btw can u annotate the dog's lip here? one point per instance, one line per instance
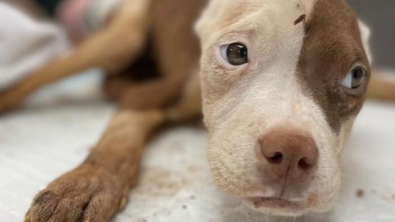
(272, 202)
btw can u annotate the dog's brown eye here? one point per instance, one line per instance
(355, 78)
(236, 54)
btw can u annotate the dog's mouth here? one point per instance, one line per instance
(277, 206)
(272, 202)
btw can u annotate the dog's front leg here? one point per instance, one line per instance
(99, 187)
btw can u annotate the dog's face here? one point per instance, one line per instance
(282, 81)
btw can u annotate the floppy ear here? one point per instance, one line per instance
(210, 18)
(204, 20)
(365, 36)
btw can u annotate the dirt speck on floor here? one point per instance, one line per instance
(360, 193)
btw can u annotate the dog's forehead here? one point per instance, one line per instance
(237, 15)
(261, 12)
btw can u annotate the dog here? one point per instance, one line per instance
(280, 83)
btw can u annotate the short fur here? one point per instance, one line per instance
(299, 53)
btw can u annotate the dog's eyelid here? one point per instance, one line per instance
(233, 37)
(358, 62)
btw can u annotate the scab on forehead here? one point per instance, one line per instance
(301, 18)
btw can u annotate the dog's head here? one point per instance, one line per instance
(283, 81)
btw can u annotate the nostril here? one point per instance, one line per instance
(276, 158)
(303, 164)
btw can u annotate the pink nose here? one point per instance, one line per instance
(288, 154)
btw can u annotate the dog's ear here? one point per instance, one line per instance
(204, 20)
(209, 18)
(365, 37)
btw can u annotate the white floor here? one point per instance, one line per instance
(39, 143)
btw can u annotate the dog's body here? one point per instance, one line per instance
(280, 94)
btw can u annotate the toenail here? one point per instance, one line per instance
(123, 203)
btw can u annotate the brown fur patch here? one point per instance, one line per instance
(332, 45)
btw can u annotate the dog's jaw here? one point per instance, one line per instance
(278, 88)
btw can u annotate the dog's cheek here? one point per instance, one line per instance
(232, 159)
(217, 80)
(344, 134)
(327, 180)
(327, 198)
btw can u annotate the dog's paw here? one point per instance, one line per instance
(86, 194)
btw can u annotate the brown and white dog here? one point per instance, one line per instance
(281, 83)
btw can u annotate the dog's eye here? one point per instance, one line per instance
(355, 78)
(235, 54)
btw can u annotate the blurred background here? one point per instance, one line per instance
(379, 15)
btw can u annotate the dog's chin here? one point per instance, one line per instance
(277, 207)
